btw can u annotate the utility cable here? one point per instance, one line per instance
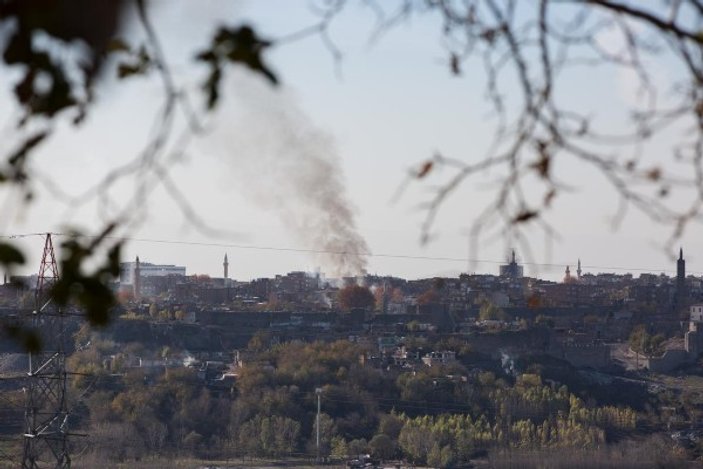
(345, 253)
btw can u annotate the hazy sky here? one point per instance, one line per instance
(388, 105)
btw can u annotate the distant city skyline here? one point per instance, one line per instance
(214, 262)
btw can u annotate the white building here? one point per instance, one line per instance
(696, 316)
(444, 357)
(148, 270)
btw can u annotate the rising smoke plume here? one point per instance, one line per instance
(290, 167)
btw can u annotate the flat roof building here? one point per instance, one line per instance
(146, 269)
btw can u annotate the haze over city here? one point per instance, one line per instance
(385, 107)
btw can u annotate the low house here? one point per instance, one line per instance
(439, 358)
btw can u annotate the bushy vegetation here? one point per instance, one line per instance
(438, 416)
(642, 342)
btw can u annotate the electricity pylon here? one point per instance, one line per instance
(46, 409)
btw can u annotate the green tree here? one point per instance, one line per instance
(259, 341)
(192, 441)
(413, 326)
(642, 342)
(268, 436)
(434, 458)
(489, 311)
(287, 434)
(328, 431)
(390, 425)
(415, 441)
(382, 447)
(357, 447)
(340, 449)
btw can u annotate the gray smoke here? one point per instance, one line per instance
(290, 167)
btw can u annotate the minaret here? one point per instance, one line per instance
(136, 281)
(578, 270)
(385, 296)
(513, 260)
(680, 281)
(680, 268)
(225, 264)
(567, 275)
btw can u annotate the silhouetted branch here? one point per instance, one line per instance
(526, 50)
(529, 52)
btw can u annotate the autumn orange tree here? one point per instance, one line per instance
(356, 296)
(427, 297)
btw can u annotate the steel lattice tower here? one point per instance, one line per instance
(46, 410)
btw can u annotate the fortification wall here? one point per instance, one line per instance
(667, 362)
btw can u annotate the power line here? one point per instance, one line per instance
(346, 253)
